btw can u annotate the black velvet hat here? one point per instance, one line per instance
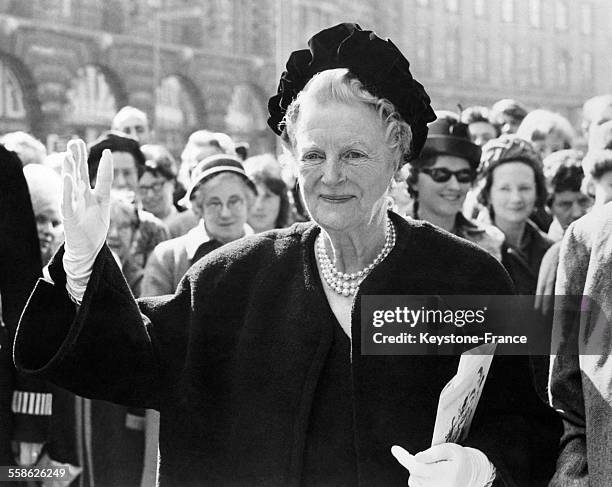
(377, 63)
(451, 137)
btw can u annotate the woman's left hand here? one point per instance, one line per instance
(446, 465)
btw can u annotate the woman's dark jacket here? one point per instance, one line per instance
(238, 361)
(523, 264)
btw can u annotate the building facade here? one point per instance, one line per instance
(66, 66)
(544, 53)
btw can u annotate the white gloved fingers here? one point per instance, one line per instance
(78, 149)
(415, 481)
(68, 166)
(409, 462)
(67, 208)
(104, 179)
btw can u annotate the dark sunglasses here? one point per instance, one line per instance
(442, 175)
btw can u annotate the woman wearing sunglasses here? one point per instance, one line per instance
(440, 180)
(513, 187)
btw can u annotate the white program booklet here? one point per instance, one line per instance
(459, 398)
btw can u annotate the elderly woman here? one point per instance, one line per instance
(221, 195)
(122, 234)
(513, 186)
(440, 179)
(256, 363)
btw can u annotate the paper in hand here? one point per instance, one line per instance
(459, 398)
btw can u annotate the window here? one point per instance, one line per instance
(587, 69)
(481, 60)
(507, 10)
(535, 13)
(479, 8)
(508, 65)
(535, 66)
(561, 15)
(11, 94)
(452, 56)
(66, 8)
(563, 69)
(587, 18)
(452, 5)
(423, 50)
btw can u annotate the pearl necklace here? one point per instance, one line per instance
(348, 284)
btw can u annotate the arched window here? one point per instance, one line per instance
(92, 102)
(177, 112)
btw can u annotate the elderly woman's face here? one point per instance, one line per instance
(49, 228)
(513, 192)
(344, 163)
(223, 203)
(121, 231)
(444, 198)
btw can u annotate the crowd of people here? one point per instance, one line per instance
(158, 393)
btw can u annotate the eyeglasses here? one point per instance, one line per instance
(155, 187)
(442, 175)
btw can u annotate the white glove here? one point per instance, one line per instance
(86, 215)
(446, 465)
(28, 453)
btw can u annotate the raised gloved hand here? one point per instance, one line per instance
(446, 465)
(86, 214)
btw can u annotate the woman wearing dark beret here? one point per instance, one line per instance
(255, 363)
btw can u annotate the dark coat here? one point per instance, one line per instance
(20, 267)
(234, 362)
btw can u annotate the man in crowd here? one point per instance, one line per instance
(566, 199)
(133, 122)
